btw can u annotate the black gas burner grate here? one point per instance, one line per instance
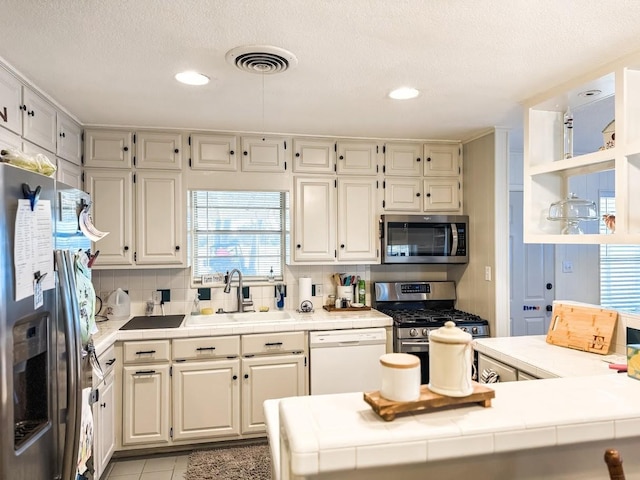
(434, 318)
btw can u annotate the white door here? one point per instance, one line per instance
(159, 150)
(357, 158)
(315, 230)
(264, 154)
(107, 148)
(214, 152)
(532, 277)
(39, 121)
(442, 195)
(357, 222)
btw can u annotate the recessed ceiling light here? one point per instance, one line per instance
(192, 78)
(404, 93)
(590, 93)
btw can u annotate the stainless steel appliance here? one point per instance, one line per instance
(40, 348)
(424, 238)
(419, 307)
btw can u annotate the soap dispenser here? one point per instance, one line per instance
(195, 309)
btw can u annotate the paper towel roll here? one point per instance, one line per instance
(304, 289)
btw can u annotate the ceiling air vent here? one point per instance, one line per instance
(264, 59)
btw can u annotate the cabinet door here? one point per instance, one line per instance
(206, 399)
(314, 155)
(69, 173)
(104, 428)
(315, 212)
(506, 372)
(264, 154)
(442, 195)
(264, 378)
(214, 152)
(69, 144)
(159, 218)
(39, 121)
(9, 139)
(112, 210)
(357, 158)
(159, 150)
(404, 194)
(357, 222)
(522, 376)
(441, 160)
(10, 102)
(145, 404)
(107, 148)
(403, 159)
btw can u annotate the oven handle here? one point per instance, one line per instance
(414, 344)
(454, 244)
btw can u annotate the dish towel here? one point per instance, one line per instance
(489, 376)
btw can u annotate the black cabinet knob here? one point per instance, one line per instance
(126, 248)
(176, 151)
(342, 245)
(549, 286)
(232, 152)
(298, 246)
(177, 247)
(418, 194)
(23, 107)
(103, 405)
(235, 377)
(428, 194)
(126, 149)
(428, 159)
(64, 135)
(245, 153)
(341, 157)
(549, 308)
(31, 113)
(297, 154)
(246, 375)
(418, 159)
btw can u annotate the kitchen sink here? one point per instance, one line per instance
(236, 318)
(154, 321)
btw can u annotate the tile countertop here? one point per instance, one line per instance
(536, 357)
(319, 319)
(331, 433)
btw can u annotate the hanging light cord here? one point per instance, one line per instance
(263, 103)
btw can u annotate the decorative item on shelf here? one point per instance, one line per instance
(610, 222)
(568, 134)
(571, 210)
(609, 135)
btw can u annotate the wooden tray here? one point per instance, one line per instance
(428, 401)
(584, 328)
(330, 308)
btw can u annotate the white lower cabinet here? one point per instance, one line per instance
(265, 378)
(104, 416)
(507, 373)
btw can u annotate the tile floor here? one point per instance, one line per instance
(166, 467)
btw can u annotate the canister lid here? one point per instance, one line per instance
(449, 334)
(399, 360)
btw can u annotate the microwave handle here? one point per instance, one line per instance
(454, 243)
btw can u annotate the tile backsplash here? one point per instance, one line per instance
(141, 285)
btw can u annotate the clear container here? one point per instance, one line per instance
(118, 304)
(572, 210)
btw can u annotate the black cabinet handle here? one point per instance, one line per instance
(246, 375)
(31, 113)
(126, 248)
(23, 107)
(549, 308)
(428, 194)
(428, 159)
(235, 377)
(176, 151)
(126, 149)
(418, 194)
(232, 152)
(177, 247)
(145, 352)
(272, 344)
(199, 349)
(245, 153)
(145, 372)
(418, 159)
(103, 405)
(111, 362)
(342, 245)
(297, 154)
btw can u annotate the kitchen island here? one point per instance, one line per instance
(549, 428)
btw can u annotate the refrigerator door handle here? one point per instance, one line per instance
(70, 309)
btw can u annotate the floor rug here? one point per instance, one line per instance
(230, 463)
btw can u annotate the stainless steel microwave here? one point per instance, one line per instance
(424, 238)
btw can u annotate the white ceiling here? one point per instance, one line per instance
(112, 62)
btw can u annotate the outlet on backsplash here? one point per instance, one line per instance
(164, 295)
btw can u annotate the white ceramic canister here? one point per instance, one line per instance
(400, 377)
(450, 361)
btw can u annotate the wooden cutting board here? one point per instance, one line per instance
(584, 328)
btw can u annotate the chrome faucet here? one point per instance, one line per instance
(227, 288)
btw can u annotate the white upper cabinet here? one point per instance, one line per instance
(108, 148)
(314, 155)
(442, 160)
(69, 144)
(39, 120)
(602, 110)
(214, 152)
(265, 154)
(158, 150)
(9, 139)
(404, 159)
(357, 157)
(10, 102)
(442, 195)
(403, 194)
(315, 213)
(69, 173)
(357, 220)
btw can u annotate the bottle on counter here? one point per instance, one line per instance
(361, 292)
(195, 309)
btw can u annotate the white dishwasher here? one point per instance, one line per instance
(346, 360)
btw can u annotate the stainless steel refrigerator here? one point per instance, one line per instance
(41, 362)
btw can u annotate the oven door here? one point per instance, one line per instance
(419, 348)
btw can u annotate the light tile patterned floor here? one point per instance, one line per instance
(170, 467)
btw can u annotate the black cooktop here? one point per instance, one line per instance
(428, 317)
(155, 321)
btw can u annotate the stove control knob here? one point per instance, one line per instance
(474, 330)
(425, 332)
(413, 332)
(464, 329)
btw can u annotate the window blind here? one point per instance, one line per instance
(244, 230)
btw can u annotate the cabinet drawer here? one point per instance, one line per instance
(107, 360)
(507, 373)
(270, 343)
(205, 347)
(146, 351)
